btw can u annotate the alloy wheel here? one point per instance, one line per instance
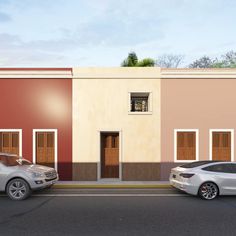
(18, 189)
(208, 191)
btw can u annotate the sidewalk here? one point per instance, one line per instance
(111, 184)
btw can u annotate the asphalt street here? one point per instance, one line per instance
(117, 212)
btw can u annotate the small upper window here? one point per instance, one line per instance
(139, 102)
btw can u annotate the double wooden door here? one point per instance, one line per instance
(221, 146)
(110, 155)
(9, 142)
(45, 148)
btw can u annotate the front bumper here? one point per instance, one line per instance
(43, 183)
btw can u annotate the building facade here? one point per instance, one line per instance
(36, 117)
(129, 124)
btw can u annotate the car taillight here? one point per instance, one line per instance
(186, 175)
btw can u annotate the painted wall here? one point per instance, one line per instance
(195, 104)
(100, 103)
(29, 104)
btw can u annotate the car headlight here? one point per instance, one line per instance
(37, 175)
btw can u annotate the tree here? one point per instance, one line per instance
(132, 61)
(203, 62)
(227, 60)
(146, 62)
(169, 60)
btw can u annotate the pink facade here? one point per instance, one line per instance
(197, 103)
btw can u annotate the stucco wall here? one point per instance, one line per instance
(101, 104)
(196, 104)
(29, 104)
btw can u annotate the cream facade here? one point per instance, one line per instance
(101, 104)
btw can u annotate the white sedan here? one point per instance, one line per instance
(208, 179)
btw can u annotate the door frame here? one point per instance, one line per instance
(20, 137)
(55, 145)
(100, 132)
(196, 144)
(232, 141)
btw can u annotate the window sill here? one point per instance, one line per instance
(140, 113)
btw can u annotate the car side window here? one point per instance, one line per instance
(233, 168)
(223, 168)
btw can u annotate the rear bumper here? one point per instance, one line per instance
(184, 186)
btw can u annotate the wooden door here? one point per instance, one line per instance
(9, 142)
(186, 146)
(45, 148)
(221, 146)
(110, 155)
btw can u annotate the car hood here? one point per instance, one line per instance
(35, 168)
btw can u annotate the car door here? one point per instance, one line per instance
(3, 176)
(225, 177)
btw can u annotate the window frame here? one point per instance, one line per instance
(150, 98)
(196, 144)
(20, 137)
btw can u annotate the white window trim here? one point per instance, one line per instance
(149, 112)
(20, 137)
(55, 145)
(99, 153)
(175, 144)
(221, 130)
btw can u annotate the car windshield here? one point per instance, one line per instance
(14, 161)
(196, 164)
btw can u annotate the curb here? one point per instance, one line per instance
(108, 186)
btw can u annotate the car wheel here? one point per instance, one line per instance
(208, 191)
(18, 189)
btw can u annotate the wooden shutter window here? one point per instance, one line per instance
(221, 146)
(186, 145)
(9, 142)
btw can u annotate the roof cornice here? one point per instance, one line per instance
(198, 73)
(31, 73)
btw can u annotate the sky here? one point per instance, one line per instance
(66, 33)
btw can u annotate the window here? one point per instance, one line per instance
(186, 145)
(221, 144)
(140, 102)
(223, 168)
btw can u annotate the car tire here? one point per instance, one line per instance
(208, 191)
(18, 189)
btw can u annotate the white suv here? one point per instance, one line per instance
(18, 176)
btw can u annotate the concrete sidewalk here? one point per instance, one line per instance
(111, 184)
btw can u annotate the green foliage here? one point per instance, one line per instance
(132, 61)
(146, 62)
(227, 60)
